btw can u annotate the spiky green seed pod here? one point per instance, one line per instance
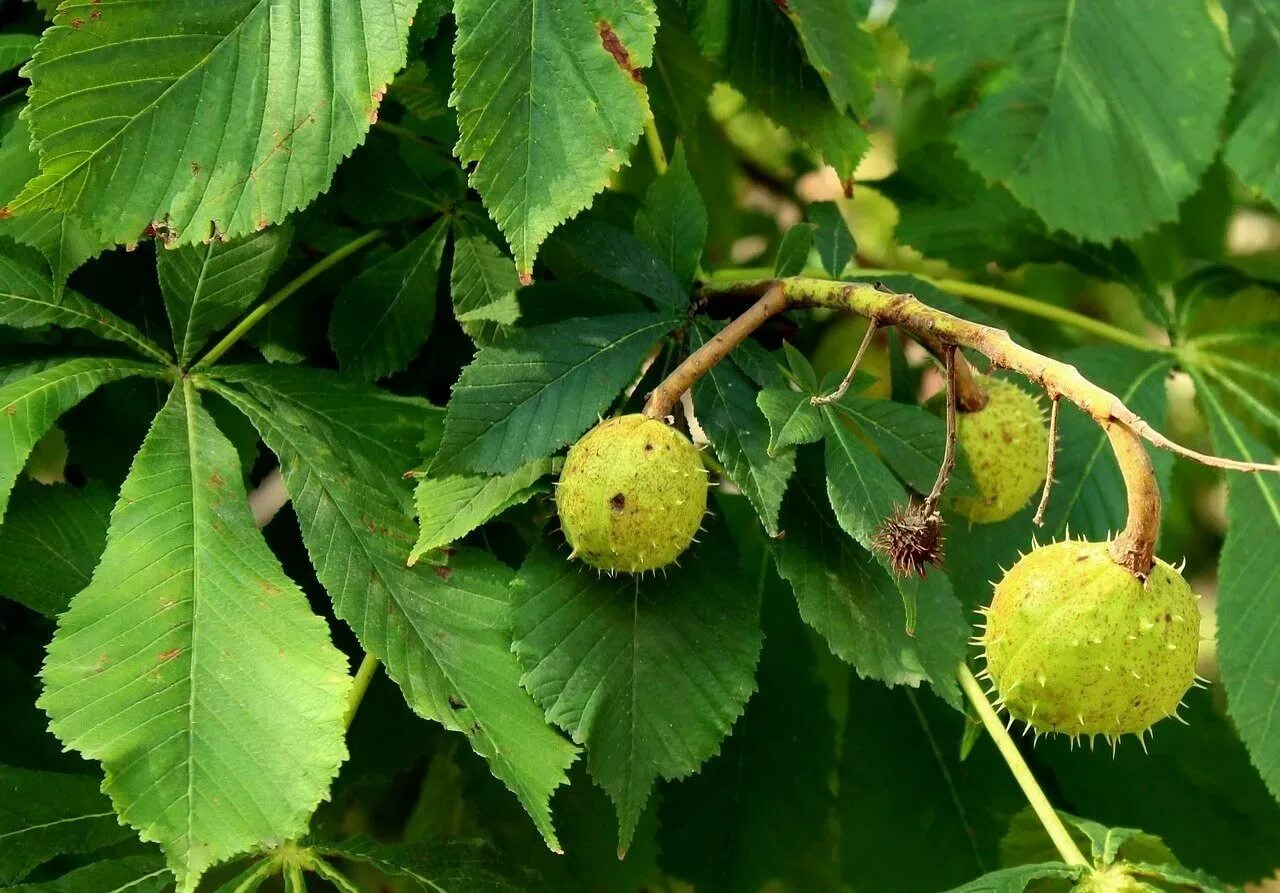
(631, 495)
(1005, 445)
(1077, 644)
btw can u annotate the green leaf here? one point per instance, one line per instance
(51, 539)
(848, 597)
(383, 316)
(759, 811)
(16, 49)
(28, 300)
(30, 406)
(549, 102)
(616, 256)
(863, 492)
(1200, 881)
(1101, 117)
(207, 286)
(760, 54)
(901, 768)
(1015, 880)
(433, 865)
(218, 122)
(442, 633)
(831, 237)
(843, 53)
(673, 220)
(58, 235)
(392, 180)
(536, 391)
(909, 439)
(48, 814)
(792, 419)
(725, 403)
(648, 676)
(130, 874)
(191, 666)
(452, 506)
(793, 250)
(1251, 147)
(1248, 590)
(482, 285)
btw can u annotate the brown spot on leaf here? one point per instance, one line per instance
(526, 278)
(783, 5)
(456, 703)
(609, 38)
(268, 587)
(443, 571)
(215, 481)
(5, 213)
(195, 172)
(168, 655)
(11, 410)
(76, 23)
(96, 14)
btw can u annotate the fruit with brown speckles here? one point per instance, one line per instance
(1004, 444)
(1077, 644)
(631, 495)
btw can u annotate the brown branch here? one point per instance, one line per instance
(663, 398)
(1050, 462)
(1133, 548)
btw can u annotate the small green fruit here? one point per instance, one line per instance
(1075, 643)
(1005, 445)
(632, 494)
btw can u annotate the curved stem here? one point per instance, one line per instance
(359, 685)
(953, 359)
(1134, 547)
(256, 315)
(1022, 774)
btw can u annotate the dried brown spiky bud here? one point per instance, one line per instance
(912, 538)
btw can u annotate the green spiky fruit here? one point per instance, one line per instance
(1077, 644)
(632, 494)
(1004, 444)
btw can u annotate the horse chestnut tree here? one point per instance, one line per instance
(661, 445)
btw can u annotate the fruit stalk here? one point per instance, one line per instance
(1021, 771)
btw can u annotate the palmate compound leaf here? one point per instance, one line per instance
(725, 403)
(1254, 119)
(57, 233)
(442, 633)
(452, 506)
(761, 55)
(207, 286)
(51, 539)
(30, 405)
(129, 874)
(536, 391)
(29, 300)
(1018, 878)
(203, 117)
(650, 674)
(47, 814)
(904, 787)
(1099, 116)
(550, 99)
(848, 596)
(1249, 590)
(191, 667)
(383, 316)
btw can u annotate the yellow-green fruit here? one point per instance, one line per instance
(839, 345)
(1075, 643)
(1004, 444)
(631, 495)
